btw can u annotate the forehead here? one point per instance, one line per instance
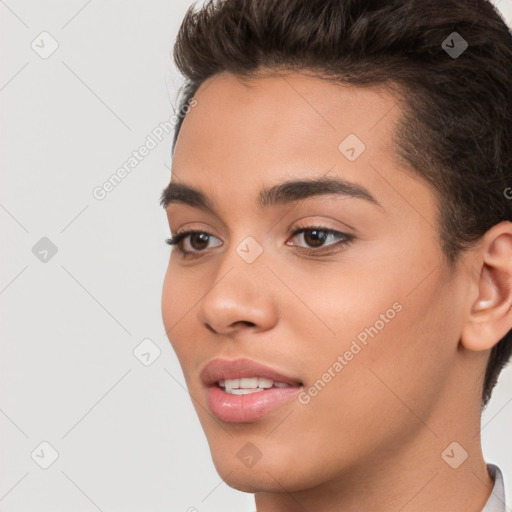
(284, 115)
(291, 102)
(248, 134)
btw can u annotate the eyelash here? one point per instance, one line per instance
(177, 240)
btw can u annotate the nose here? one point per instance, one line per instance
(239, 298)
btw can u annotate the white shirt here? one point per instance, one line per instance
(496, 501)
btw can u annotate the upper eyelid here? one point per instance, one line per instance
(189, 231)
(308, 225)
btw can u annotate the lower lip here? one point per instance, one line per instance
(250, 407)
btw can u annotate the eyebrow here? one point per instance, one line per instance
(280, 194)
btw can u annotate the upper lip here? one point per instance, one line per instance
(221, 369)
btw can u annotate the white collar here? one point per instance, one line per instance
(496, 501)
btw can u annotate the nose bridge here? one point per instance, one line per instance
(242, 270)
(239, 292)
(246, 254)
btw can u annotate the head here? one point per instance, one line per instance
(407, 307)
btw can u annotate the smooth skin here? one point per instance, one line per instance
(372, 439)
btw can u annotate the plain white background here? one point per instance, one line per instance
(125, 434)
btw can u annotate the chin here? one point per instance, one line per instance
(250, 483)
(269, 474)
(252, 480)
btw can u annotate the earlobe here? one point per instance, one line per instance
(490, 317)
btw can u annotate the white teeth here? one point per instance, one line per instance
(232, 383)
(247, 385)
(265, 383)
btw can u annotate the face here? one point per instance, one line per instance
(346, 295)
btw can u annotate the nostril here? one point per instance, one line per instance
(246, 322)
(234, 324)
(240, 323)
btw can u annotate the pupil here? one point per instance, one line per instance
(317, 240)
(204, 237)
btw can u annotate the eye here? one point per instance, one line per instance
(198, 241)
(316, 236)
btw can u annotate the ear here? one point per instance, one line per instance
(490, 317)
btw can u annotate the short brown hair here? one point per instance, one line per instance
(456, 127)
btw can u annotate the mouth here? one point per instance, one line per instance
(248, 385)
(244, 391)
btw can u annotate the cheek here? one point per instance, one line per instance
(177, 306)
(169, 301)
(382, 339)
(392, 351)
